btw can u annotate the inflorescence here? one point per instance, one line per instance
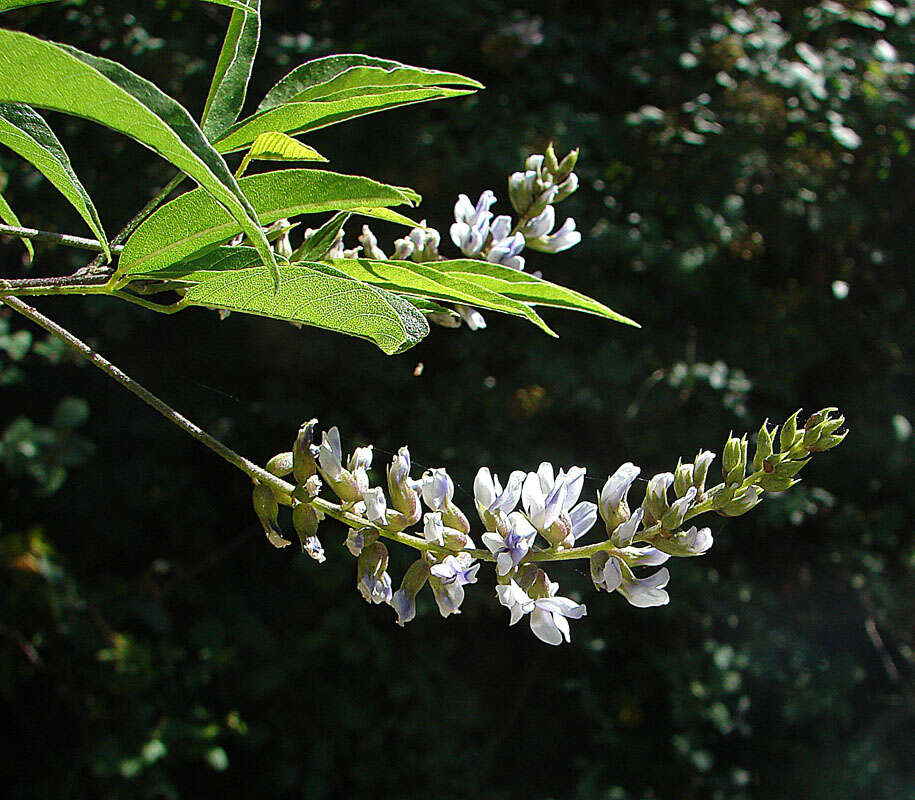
(530, 519)
(480, 234)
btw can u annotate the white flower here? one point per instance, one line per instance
(565, 237)
(514, 546)
(549, 615)
(471, 226)
(330, 453)
(449, 579)
(434, 528)
(376, 506)
(625, 531)
(491, 498)
(438, 488)
(515, 599)
(615, 491)
(473, 318)
(647, 592)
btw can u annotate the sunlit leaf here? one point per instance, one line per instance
(317, 246)
(297, 118)
(527, 288)
(426, 280)
(321, 77)
(233, 71)
(9, 5)
(318, 295)
(26, 133)
(194, 221)
(62, 78)
(276, 146)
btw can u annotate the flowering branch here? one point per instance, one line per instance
(550, 512)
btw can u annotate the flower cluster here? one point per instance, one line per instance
(530, 519)
(478, 233)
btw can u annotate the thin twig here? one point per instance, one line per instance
(66, 239)
(282, 489)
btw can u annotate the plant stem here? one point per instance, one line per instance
(65, 239)
(64, 284)
(256, 473)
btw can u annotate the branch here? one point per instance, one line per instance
(65, 239)
(281, 488)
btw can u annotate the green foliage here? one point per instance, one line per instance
(194, 221)
(233, 71)
(297, 118)
(319, 295)
(26, 133)
(106, 92)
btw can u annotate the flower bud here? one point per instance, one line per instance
(267, 510)
(775, 483)
(566, 166)
(673, 519)
(734, 460)
(521, 191)
(683, 478)
(550, 162)
(566, 188)
(625, 532)
(821, 435)
(356, 541)
(303, 452)
(700, 470)
(613, 502)
(376, 506)
(280, 465)
(370, 245)
(655, 503)
(540, 585)
(764, 442)
(404, 599)
(693, 542)
(404, 498)
(740, 504)
(605, 572)
(305, 520)
(372, 579)
(790, 436)
(559, 533)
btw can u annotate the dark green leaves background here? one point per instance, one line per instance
(154, 646)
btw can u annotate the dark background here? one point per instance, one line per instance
(152, 645)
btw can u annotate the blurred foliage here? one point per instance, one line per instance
(746, 196)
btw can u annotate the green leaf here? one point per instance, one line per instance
(431, 307)
(276, 146)
(426, 280)
(387, 215)
(324, 76)
(8, 216)
(26, 133)
(9, 5)
(528, 289)
(317, 246)
(297, 118)
(318, 295)
(194, 221)
(233, 71)
(62, 78)
(241, 5)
